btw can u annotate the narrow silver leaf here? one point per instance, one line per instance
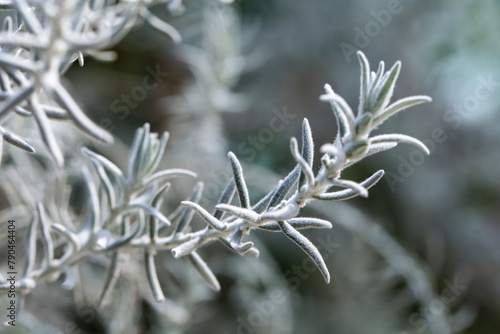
(133, 155)
(152, 276)
(350, 193)
(298, 224)
(93, 200)
(305, 167)
(162, 26)
(47, 134)
(400, 105)
(376, 81)
(209, 219)
(341, 110)
(283, 188)
(54, 112)
(106, 182)
(78, 116)
(399, 138)
(31, 245)
(364, 82)
(307, 246)
(48, 245)
(187, 247)
(307, 148)
(12, 139)
(383, 92)
(149, 209)
(362, 191)
(226, 197)
(106, 163)
(245, 214)
(372, 149)
(381, 147)
(156, 203)
(239, 180)
(139, 161)
(166, 174)
(204, 271)
(161, 149)
(188, 213)
(112, 275)
(124, 240)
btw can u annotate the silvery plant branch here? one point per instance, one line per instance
(120, 207)
(124, 209)
(53, 35)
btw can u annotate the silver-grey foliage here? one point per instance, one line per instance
(124, 208)
(53, 35)
(123, 211)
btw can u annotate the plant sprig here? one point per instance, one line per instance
(124, 209)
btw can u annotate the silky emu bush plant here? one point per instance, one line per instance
(123, 208)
